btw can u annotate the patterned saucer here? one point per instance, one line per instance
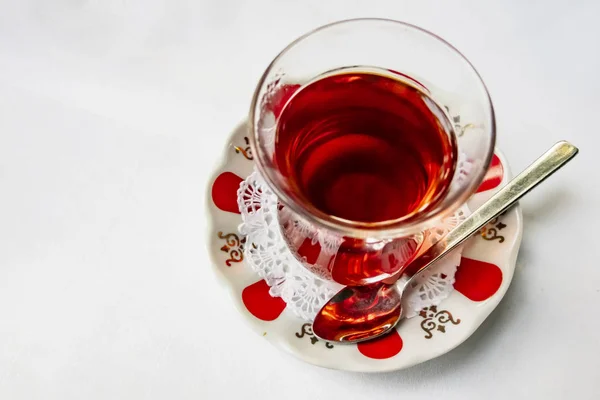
(485, 272)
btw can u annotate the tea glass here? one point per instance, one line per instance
(354, 252)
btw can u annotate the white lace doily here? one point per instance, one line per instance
(305, 292)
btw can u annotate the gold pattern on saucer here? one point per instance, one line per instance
(234, 246)
(436, 320)
(308, 332)
(245, 151)
(491, 230)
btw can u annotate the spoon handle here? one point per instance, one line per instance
(541, 169)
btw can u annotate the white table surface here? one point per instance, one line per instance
(112, 115)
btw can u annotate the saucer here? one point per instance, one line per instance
(483, 277)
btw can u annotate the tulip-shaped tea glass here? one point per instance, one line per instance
(370, 132)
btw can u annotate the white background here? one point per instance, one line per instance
(114, 112)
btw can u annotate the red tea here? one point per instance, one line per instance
(367, 147)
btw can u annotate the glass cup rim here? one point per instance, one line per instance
(383, 229)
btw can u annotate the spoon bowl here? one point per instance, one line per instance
(358, 313)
